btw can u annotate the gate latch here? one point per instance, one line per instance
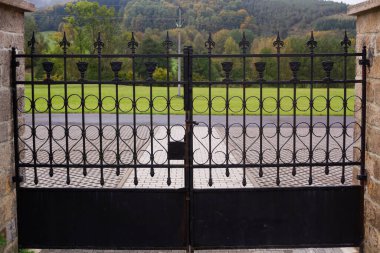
(17, 179)
(176, 150)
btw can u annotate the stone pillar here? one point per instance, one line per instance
(11, 35)
(368, 34)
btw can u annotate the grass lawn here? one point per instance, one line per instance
(200, 100)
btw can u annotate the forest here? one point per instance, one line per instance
(225, 21)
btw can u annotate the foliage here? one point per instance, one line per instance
(86, 18)
(2, 240)
(291, 16)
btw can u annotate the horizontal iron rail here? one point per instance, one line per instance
(68, 56)
(194, 83)
(198, 166)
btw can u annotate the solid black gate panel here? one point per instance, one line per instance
(101, 218)
(283, 217)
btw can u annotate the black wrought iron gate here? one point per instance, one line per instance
(253, 167)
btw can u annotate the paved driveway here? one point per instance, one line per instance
(202, 143)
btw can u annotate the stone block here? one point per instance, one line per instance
(373, 166)
(369, 23)
(6, 151)
(373, 191)
(11, 19)
(373, 114)
(372, 213)
(372, 242)
(372, 140)
(4, 132)
(374, 70)
(5, 105)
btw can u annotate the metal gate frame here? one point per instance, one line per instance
(189, 218)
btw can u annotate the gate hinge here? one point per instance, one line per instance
(17, 179)
(365, 62)
(362, 177)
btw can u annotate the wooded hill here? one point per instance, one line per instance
(263, 17)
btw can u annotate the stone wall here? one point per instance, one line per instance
(368, 34)
(11, 35)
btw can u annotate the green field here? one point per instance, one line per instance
(176, 103)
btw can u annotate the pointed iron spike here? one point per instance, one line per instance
(99, 43)
(278, 43)
(85, 172)
(51, 173)
(64, 44)
(244, 43)
(210, 43)
(68, 181)
(310, 180)
(346, 42)
(118, 172)
(36, 180)
(210, 183)
(227, 172)
(152, 172)
(132, 44)
(261, 173)
(327, 171)
(294, 172)
(32, 43)
(278, 181)
(135, 181)
(312, 43)
(244, 182)
(169, 181)
(167, 42)
(102, 181)
(343, 180)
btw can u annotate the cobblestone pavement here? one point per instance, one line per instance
(302, 143)
(202, 141)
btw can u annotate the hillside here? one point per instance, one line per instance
(264, 17)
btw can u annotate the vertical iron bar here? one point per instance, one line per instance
(244, 121)
(188, 140)
(83, 128)
(365, 63)
(261, 130)
(117, 125)
(151, 133)
(328, 105)
(100, 105)
(210, 180)
(294, 171)
(66, 115)
(135, 180)
(169, 180)
(51, 173)
(343, 179)
(278, 117)
(311, 118)
(14, 65)
(33, 105)
(227, 127)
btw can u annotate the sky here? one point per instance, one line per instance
(349, 1)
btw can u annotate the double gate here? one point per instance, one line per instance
(249, 157)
